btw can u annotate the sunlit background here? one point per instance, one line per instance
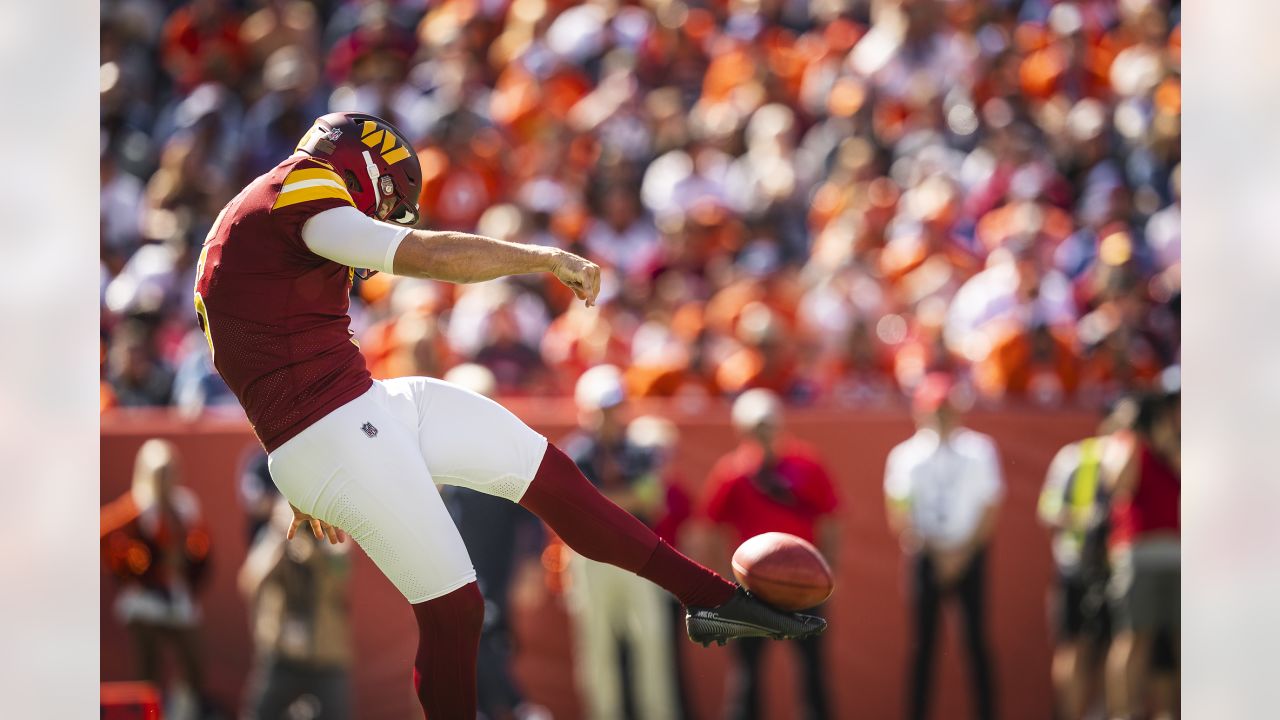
(830, 200)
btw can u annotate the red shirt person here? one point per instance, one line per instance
(772, 484)
(1145, 549)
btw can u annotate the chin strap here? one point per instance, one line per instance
(372, 169)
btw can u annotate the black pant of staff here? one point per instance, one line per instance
(926, 598)
(745, 701)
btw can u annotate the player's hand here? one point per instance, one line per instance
(579, 275)
(319, 528)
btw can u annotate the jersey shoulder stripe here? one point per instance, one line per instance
(293, 197)
(305, 184)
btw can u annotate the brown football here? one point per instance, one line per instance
(783, 570)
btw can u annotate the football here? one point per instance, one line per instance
(783, 570)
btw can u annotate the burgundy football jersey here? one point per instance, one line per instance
(275, 313)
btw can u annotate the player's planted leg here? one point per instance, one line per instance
(444, 670)
(594, 527)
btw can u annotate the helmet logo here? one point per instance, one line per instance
(391, 152)
(320, 140)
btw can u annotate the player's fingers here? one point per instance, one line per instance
(594, 292)
(293, 528)
(342, 536)
(332, 532)
(316, 529)
(581, 286)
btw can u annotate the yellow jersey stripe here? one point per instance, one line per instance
(293, 197)
(312, 174)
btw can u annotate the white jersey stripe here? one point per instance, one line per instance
(304, 184)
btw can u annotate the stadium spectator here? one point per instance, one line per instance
(848, 169)
(771, 483)
(1037, 363)
(1074, 505)
(620, 235)
(299, 616)
(408, 338)
(515, 363)
(279, 24)
(943, 490)
(201, 42)
(120, 203)
(283, 114)
(611, 606)
(1145, 552)
(1014, 293)
(659, 437)
(196, 385)
(138, 378)
(156, 544)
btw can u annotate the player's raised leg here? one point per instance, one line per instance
(359, 469)
(471, 441)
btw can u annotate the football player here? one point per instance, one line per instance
(360, 456)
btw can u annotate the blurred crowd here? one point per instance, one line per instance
(827, 199)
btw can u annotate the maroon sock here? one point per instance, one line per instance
(596, 528)
(694, 584)
(444, 672)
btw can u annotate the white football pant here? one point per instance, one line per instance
(371, 468)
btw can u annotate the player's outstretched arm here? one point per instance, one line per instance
(464, 258)
(345, 235)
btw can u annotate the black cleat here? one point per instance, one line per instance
(747, 616)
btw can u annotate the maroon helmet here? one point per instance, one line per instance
(375, 160)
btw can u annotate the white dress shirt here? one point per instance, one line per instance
(946, 484)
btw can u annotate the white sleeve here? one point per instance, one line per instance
(992, 477)
(347, 236)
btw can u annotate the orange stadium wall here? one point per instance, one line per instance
(867, 640)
